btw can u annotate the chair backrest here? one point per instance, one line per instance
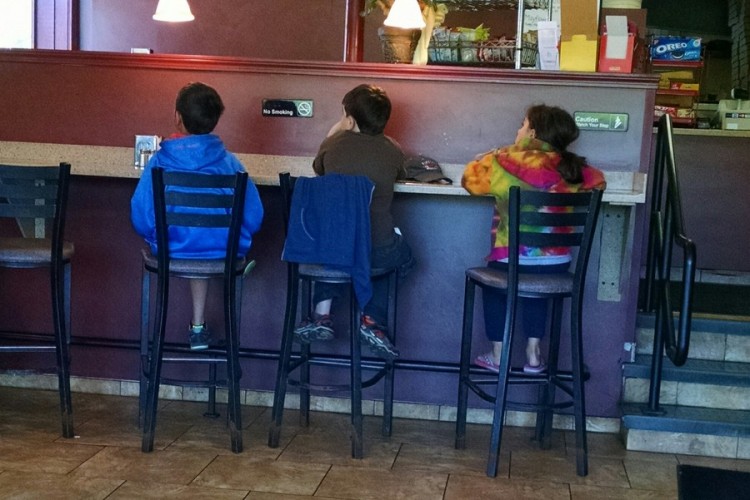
(191, 199)
(541, 220)
(37, 196)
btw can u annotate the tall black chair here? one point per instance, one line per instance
(302, 277)
(221, 199)
(36, 197)
(573, 217)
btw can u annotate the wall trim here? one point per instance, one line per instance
(24, 379)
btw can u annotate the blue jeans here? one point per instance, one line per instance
(533, 311)
(396, 254)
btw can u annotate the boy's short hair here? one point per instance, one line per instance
(369, 106)
(200, 107)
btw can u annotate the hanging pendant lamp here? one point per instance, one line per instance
(173, 11)
(405, 14)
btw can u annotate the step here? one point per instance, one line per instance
(687, 430)
(725, 338)
(710, 384)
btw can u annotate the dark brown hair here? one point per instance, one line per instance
(200, 107)
(557, 128)
(369, 106)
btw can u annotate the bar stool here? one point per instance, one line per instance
(573, 217)
(174, 206)
(36, 197)
(303, 276)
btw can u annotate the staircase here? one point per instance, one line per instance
(705, 402)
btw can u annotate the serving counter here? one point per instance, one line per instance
(87, 103)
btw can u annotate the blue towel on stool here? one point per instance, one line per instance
(329, 224)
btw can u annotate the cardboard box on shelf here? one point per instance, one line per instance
(579, 17)
(674, 112)
(676, 48)
(579, 33)
(578, 54)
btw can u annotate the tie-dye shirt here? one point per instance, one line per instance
(529, 164)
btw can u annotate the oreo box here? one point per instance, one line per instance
(675, 48)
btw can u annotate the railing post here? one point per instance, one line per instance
(665, 230)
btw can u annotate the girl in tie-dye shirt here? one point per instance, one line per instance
(538, 160)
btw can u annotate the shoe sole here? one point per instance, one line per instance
(311, 334)
(487, 366)
(534, 370)
(378, 347)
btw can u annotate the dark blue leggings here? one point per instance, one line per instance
(533, 311)
(396, 254)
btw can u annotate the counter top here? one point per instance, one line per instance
(623, 188)
(709, 132)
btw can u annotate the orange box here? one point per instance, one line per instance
(616, 45)
(616, 65)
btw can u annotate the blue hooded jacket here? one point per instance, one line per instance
(193, 153)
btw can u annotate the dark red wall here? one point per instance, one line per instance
(306, 30)
(277, 29)
(447, 113)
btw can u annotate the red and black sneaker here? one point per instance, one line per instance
(377, 338)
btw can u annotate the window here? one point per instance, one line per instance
(17, 24)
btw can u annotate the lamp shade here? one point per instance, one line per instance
(173, 11)
(405, 14)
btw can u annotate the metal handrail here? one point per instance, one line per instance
(667, 229)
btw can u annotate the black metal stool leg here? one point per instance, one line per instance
(211, 408)
(144, 348)
(389, 365)
(61, 316)
(463, 374)
(545, 415)
(155, 362)
(234, 372)
(579, 396)
(498, 416)
(285, 355)
(356, 379)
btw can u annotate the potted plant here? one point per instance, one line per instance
(407, 45)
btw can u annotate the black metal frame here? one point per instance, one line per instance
(222, 198)
(667, 229)
(576, 216)
(304, 276)
(41, 193)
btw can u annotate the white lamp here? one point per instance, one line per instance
(405, 14)
(173, 11)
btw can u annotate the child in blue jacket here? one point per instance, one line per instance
(195, 149)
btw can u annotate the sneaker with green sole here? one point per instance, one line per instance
(199, 337)
(310, 330)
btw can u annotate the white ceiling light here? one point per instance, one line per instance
(405, 14)
(173, 11)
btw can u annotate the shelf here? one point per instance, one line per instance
(477, 5)
(676, 64)
(677, 92)
(680, 122)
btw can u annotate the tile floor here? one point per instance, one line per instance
(192, 458)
